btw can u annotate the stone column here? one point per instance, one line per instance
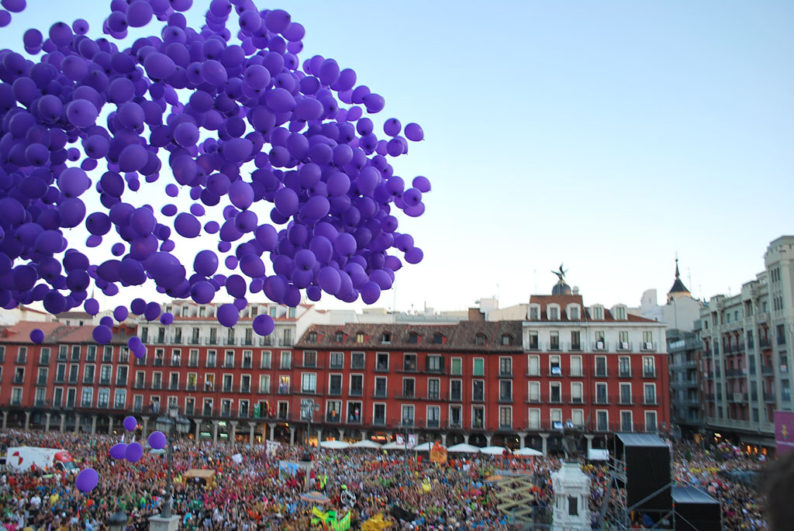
(198, 430)
(341, 433)
(234, 431)
(110, 424)
(292, 435)
(589, 442)
(214, 432)
(522, 435)
(27, 420)
(93, 424)
(251, 429)
(545, 439)
(145, 427)
(319, 435)
(5, 419)
(77, 422)
(47, 421)
(488, 437)
(363, 435)
(466, 438)
(272, 431)
(63, 422)
(444, 439)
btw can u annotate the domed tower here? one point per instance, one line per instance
(678, 289)
(561, 287)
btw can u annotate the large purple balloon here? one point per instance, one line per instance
(130, 423)
(157, 440)
(118, 451)
(133, 452)
(86, 480)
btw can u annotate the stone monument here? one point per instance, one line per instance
(571, 486)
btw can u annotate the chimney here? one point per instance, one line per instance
(476, 315)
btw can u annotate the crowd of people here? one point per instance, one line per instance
(249, 489)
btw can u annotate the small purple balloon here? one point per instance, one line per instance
(133, 452)
(118, 451)
(130, 423)
(37, 335)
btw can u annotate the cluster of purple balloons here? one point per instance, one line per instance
(271, 141)
(133, 451)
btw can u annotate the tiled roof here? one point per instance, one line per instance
(454, 337)
(55, 333)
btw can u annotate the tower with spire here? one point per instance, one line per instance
(678, 290)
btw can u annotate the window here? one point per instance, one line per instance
(455, 417)
(601, 367)
(356, 385)
(534, 392)
(625, 393)
(650, 394)
(333, 410)
(647, 340)
(178, 336)
(60, 374)
(505, 390)
(227, 383)
(379, 414)
(284, 384)
(478, 390)
(73, 369)
(601, 393)
(385, 338)
(380, 387)
(121, 375)
(600, 344)
(264, 359)
(506, 367)
(534, 344)
(620, 313)
(228, 360)
(193, 358)
(382, 361)
(576, 340)
(456, 390)
(555, 392)
(602, 420)
(176, 357)
(88, 374)
(573, 506)
(438, 338)
(577, 396)
(63, 352)
(120, 399)
(573, 312)
(19, 375)
(477, 417)
(339, 336)
(624, 367)
(534, 418)
(413, 338)
(137, 403)
(479, 339)
(555, 416)
(553, 312)
(354, 412)
(505, 417)
(41, 378)
(554, 366)
(577, 417)
(230, 336)
(86, 398)
(409, 362)
(507, 339)
(648, 367)
(434, 363)
(456, 367)
(359, 337)
(650, 421)
(478, 367)
(336, 360)
(626, 424)
(554, 340)
(576, 366)
(104, 374)
(534, 366)
(75, 352)
(433, 389)
(408, 387)
(211, 358)
(309, 382)
(407, 415)
(103, 398)
(286, 359)
(335, 384)
(433, 416)
(356, 360)
(534, 312)
(623, 340)
(159, 356)
(309, 359)
(91, 353)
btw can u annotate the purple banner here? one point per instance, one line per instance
(784, 431)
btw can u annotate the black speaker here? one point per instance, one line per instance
(647, 467)
(695, 510)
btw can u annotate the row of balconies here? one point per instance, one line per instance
(598, 346)
(260, 341)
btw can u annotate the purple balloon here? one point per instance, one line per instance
(37, 335)
(118, 451)
(133, 452)
(86, 480)
(157, 440)
(228, 315)
(263, 325)
(130, 423)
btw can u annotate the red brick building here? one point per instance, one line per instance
(511, 382)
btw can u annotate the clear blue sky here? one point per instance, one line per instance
(606, 135)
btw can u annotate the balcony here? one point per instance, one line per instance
(601, 400)
(104, 381)
(625, 401)
(16, 401)
(624, 346)
(650, 401)
(157, 386)
(381, 368)
(378, 421)
(734, 373)
(158, 362)
(138, 385)
(379, 393)
(624, 374)
(41, 382)
(505, 399)
(737, 397)
(455, 425)
(245, 388)
(354, 419)
(44, 360)
(770, 397)
(247, 364)
(433, 423)
(505, 373)
(356, 392)
(121, 381)
(602, 374)
(173, 387)
(228, 365)
(19, 379)
(576, 347)
(649, 373)
(40, 403)
(648, 347)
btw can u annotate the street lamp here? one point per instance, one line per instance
(170, 424)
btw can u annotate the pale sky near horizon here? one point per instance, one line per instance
(607, 136)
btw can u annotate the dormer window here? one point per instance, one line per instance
(413, 338)
(507, 339)
(312, 337)
(553, 312)
(479, 339)
(339, 336)
(385, 338)
(573, 312)
(620, 313)
(359, 337)
(534, 312)
(597, 313)
(438, 338)
(253, 311)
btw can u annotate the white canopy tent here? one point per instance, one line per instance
(366, 443)
(527, 452)
(494, 450)
(464, 448)
(394, 445)
(334, 445)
